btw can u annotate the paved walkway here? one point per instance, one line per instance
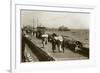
(67, 55)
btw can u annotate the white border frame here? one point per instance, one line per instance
(16, 66)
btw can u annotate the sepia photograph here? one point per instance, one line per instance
(54, 35)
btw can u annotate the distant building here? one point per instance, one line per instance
(62, 28)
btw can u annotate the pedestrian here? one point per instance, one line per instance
(53, 44)
(44, 39)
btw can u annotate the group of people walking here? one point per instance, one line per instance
(58, 42)
(55, 40)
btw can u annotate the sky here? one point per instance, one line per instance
(52, 19)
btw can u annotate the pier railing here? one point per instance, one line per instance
(41, 55)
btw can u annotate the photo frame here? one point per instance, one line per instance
(17, 65)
